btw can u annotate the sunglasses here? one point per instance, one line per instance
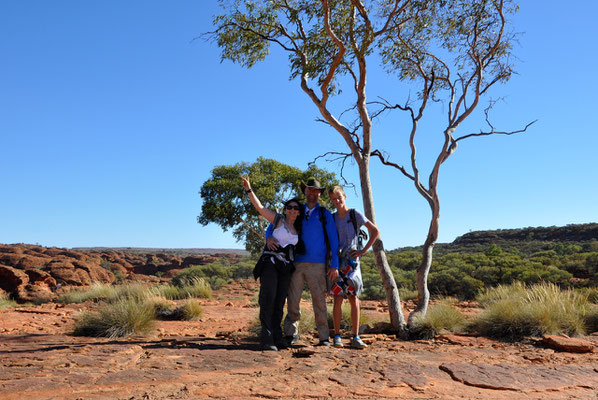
(290, 207)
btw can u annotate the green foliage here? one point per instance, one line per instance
(123, 317)
(6, 302)
(591, 320)
(216, 274)
(189, 311)
(225, 202)
(441, 317)
(516, 311)
(193, 287)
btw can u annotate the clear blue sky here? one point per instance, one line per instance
(111, 118)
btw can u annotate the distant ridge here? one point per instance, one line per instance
(568, 233)
(162, 250)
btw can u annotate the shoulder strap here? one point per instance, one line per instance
(353, 219)
(277, 219)
(323, 221)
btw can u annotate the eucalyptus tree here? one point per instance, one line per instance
(455, 49)
(226, 204)
(326, 41)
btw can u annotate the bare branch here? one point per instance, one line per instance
(378, 153)
(342, 157)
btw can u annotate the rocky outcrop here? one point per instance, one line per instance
(33, 273)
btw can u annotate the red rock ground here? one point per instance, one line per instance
(217, 357)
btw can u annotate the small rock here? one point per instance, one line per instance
(572, 345)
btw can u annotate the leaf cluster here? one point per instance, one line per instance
(225, 202)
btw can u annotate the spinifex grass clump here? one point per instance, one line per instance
(124, 316)
(6, 302)
(515, 311)
(591, 320)
(101, 291)
(189, 311)
(193, 287)
(441, 317)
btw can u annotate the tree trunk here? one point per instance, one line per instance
(423, 295)
(393, 299)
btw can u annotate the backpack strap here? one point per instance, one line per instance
(277, 219)
(323, 221)
(353, 219)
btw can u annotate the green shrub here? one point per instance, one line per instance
(591, 293)
(123, 317)
(192, 310)
(216, 274)
(407, 294)
(188, 311)
(6, 302)
(194, 287)
(97, 291)
(591, 320)
(512, 312)
(441, 317)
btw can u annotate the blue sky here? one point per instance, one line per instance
(112, 117)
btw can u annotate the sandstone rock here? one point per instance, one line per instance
(40, 277)
(563, 343)
(64, 273)
(521, 377)
(10, 259)
(29, 261)
(35, 293)
(11, 278)
(93, 273)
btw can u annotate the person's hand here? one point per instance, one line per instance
(272, 243)
(246, 183)
(357, 253)
(332, 274)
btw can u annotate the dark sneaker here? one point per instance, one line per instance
(357, 343)
(269, 347)
(337, 341)
(282, 344)
(291, 340)
(325, 342)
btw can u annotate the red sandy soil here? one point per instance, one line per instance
(219, 357)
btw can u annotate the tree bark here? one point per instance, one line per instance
(423, 294)
(397, 320)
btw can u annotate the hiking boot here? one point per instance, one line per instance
(357, 343)
(281, 344)
(325, 342)
(337, 341)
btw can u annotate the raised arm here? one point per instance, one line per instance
(264, 212)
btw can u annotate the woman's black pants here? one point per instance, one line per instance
(273, 293)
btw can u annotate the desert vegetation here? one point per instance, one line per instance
(132, 308)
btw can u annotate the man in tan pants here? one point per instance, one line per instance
(318, 227)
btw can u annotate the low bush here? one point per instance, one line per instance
(194, 287)
(101, 291)
(591, 320)
(441, 317)
(122, 317)
(216, 274)
(514, 311)
(6, 302)
(188, 311)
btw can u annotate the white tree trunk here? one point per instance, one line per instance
(393, 299)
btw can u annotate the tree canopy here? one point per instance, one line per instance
(226, 204)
